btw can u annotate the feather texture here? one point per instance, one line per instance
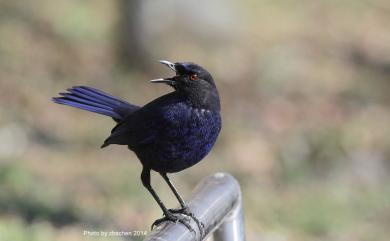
(97, 101)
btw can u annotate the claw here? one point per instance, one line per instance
(186, 211)
(174, 218)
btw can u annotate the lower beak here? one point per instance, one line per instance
(167, 81)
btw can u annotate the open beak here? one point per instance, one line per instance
(168, 81)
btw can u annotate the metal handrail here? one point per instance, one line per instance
(217, 203)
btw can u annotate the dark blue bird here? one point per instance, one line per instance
(169, 134)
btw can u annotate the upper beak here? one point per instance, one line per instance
(166, 80)
(169, 64)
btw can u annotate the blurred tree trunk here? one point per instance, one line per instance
(130, 50)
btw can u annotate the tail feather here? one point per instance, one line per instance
(85, 101)
(98, 110)
(90, 99)
(98, 95)
(75, 92)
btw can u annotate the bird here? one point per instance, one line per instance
(169, 134)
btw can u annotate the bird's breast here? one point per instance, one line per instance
(187, 138)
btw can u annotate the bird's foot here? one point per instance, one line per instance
(174, 218)
(186, 211)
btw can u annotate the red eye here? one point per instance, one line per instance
(193, 77)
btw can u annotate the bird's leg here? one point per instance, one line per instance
(184, 208)
(168, 216)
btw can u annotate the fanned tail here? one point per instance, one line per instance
(93, 100)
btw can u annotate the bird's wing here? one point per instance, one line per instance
(146, 124)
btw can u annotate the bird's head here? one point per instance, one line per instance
(188, 76)
(193, 81)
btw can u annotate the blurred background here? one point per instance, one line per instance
(305, 102)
